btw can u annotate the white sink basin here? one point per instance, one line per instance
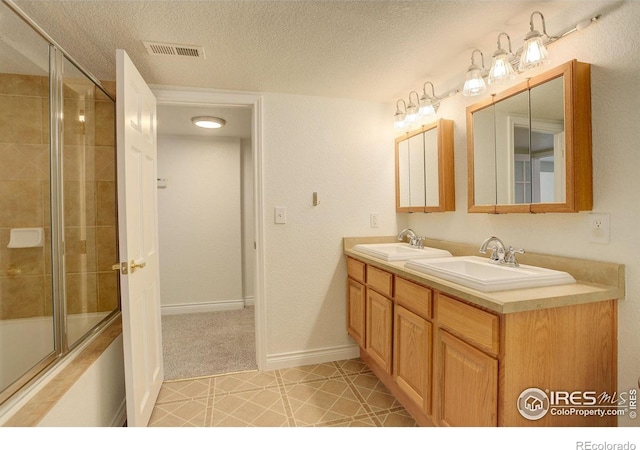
(481, 274)
(399, 251)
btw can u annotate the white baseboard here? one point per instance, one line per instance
(188, 308)
(121, 417)
(249, 301)
(318, 356)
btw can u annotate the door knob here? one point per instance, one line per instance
(133, 265)
(122, 267)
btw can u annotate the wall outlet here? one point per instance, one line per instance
(599, 228)
(374, 220)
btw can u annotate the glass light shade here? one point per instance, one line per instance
(427, 109)
(208, 122)
(474, 85)
(534, 53)
(501, 70)
(399, 122)
(411, 113)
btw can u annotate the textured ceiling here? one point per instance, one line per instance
(370, 50)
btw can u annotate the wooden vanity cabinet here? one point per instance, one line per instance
(453, 363)
(379, 317)
(356, 300)
(467, 364)
(413, 343)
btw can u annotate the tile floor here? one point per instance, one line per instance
(337, 394)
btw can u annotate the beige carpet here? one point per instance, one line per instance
(202, 344)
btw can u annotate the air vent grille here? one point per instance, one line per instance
(161, 48)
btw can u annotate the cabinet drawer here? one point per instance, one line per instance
(380, 280)
(474, 325)
(356, 269)
(414, 297)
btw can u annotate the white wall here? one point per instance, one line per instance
(342, 149)
(610, 46)
(199, 221)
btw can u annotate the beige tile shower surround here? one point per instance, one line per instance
(25, 273)
(339, 394)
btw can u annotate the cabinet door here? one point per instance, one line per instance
(467, 384)
(379, 329)
(356, 311)
(412, 356)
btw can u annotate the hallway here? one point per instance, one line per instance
(340, 394)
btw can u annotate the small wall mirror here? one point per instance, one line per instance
(424, 169)
(520, 159)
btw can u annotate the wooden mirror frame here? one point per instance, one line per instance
(446, 181)
(577, 115)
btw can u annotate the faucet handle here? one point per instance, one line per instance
(495, 256)
(510, 256)
(418, 241)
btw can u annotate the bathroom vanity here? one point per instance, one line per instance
(456, 356)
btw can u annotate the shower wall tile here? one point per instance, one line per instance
(78, 162)
(82, 293)
(24, 162)
(106, 248)
(20, 119)
(79, 203)
(31, 85)
(105, 163)
(80, 249)
(106, 199)
(21, 297)
(105, 121)
(107, 291)
(21, 204)
(19, 261)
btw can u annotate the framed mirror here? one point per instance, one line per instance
(541, 131)
(424, 169)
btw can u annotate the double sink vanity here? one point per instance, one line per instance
(457, 338)
(466, 338)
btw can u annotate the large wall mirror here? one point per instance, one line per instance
(424, 169)
(529, 147)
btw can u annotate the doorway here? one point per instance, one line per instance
(211, 188)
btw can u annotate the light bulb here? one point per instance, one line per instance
(474, 85)
(501, 70)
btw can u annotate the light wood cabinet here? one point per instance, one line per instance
(412, 344)
(379, 329)
(467, 384)
(452, 363)
(356, 311)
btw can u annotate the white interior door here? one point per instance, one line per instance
(138, 233)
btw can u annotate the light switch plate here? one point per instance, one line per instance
(280, 214)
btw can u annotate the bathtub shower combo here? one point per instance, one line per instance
(58, 222)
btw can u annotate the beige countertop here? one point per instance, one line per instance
(595, 280)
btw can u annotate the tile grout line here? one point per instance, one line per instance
(358, 395)
(285, 400)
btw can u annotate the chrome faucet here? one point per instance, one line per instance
(500, 253)
(414, 241)
(497, 250)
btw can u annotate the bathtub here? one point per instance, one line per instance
(25, 342)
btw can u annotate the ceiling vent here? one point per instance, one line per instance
(161, 48)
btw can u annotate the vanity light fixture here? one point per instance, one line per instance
(474, 85)
(534, 53)
(501, 68)
(399, 122)
(428, 103)
(208, 122)
(411, 110)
